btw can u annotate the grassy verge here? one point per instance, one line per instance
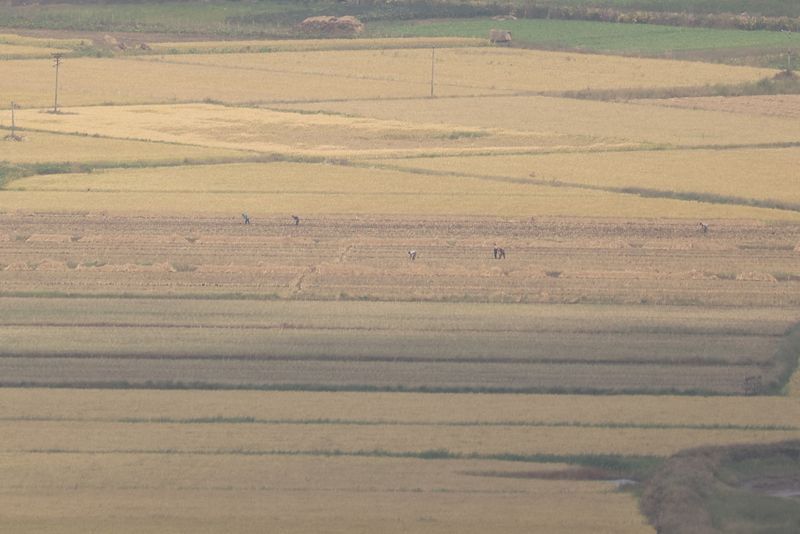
(726, 489)
(211, 386)
(784, 83)
(250, 420)
(786, 360)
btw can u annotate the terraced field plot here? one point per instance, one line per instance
(631, 122)
(485, 69)
(22, 51)
(349, 74)
(268, 189)
(130, 492)
(91, 81)
(745, 174)
(787, 106)
(304, 455)
(43, 147)
(297, 133)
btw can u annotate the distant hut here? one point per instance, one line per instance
(502, 37)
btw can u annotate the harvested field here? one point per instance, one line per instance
(486, 69)
(549, 260)
(632, 122)
(270, 343)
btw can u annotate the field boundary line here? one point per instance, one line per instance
(383, 422)
(84, 355)
(209, 386)
(707, 198)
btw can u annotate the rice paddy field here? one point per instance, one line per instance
(165, 367)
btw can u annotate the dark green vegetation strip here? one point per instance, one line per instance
(742, 489)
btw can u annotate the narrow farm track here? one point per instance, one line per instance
(106, 301)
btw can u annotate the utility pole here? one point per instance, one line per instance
(13, 121)
(433, 64)
(57, 58)
(13, 136)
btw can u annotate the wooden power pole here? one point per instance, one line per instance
(57, 59)
(13, 136)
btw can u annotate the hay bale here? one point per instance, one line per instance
(499, 36)
(332, 26)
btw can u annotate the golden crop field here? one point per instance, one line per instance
(163, 492)
(787, 106)
(352, 438)
(631, 122)
(763, 174)
(297, 133)
(295, 45)
(25, 51)
(42, 147)
(169, 363)
(92, 81)
(486, 69)
(40, 42)
(426, 409)
(279, 188)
